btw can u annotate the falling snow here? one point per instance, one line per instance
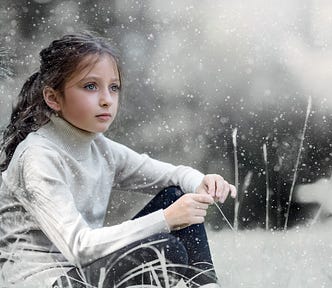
(195, 72)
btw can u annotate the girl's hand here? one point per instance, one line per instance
(217, 187)
(187, 210)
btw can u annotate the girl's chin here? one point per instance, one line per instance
(102, 129)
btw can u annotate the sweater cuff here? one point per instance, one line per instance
(166, 224)
(197, 181)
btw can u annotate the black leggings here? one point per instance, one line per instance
(156, 260)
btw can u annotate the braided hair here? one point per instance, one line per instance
(58, 62)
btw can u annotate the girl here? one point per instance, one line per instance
(58, 171)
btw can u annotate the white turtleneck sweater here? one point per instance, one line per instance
(54, 197)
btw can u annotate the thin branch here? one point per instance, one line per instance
(298, 161)
(236, 181)
(267, 201)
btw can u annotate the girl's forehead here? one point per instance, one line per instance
(88, 64)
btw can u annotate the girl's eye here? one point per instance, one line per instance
(115, 88)
(90, 86)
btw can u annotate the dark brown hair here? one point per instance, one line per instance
(58, 62)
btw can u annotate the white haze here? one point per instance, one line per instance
(211, 46)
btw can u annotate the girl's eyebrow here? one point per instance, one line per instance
(96, 78)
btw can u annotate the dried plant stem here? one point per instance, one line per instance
(319, 211)
(102, 277)
(297, 162)
(246, 183)
(223, 215)
(267, 198)
(236, 181)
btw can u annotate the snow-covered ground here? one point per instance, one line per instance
(298, 258)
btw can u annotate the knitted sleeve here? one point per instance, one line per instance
(139, 171)
(46, 195)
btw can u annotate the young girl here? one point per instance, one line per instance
(58, 171)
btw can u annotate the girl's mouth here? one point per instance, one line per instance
(104, 116)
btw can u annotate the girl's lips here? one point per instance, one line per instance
(104, 117)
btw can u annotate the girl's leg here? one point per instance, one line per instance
(72, 279)
(193, 238)
(186, 251)
(150, 261)
(156, 260)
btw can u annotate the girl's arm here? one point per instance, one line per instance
(136, 171)
(191, 208)
(46, 196)
(141, 172)
(217, 187)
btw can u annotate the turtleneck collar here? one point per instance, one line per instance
(75, 141)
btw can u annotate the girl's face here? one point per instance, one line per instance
(91, 96)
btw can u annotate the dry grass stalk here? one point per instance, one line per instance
(267, 199)
(297, 161)
(236, 180)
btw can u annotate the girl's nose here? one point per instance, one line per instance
(106, 99)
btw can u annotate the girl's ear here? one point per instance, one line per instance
(51, 98)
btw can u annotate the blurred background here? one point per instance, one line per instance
(196, 72)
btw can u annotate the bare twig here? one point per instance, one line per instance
(236, 181)
(315, 219)
(267, 202)
(297, 161)
(223, 215)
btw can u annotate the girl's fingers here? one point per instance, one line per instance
(198, 220)
(233, 191)
(202, 206)
(203, 198)
(225, 192)
(223, 188)
(219, 186)
(192, 207)
(210, 184)
(200, 213)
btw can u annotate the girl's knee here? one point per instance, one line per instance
(173, 249)
(150, 254)
(162, 200)
(170, 195)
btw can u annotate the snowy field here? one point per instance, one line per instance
(298, 258)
